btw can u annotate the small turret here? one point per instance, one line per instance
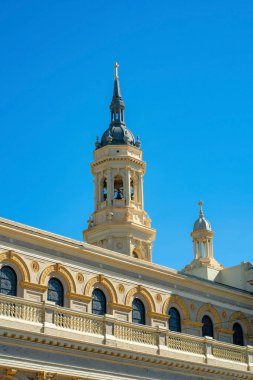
(202, 238)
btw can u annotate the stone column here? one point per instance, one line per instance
(127, 187)
(195, 249)
(109, 187)
(96, 192)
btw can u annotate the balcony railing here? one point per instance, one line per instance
(106, 329)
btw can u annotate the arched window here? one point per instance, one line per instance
(238, 334)
(138, 315)
(175, 320)
(98, 302)
(118, 187)
(55, 291)
(207, 328)
(8, 281)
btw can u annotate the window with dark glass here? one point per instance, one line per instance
(98, 302)
(55, 291)
(207, 328)
(238, 334)
(138, 315)
(175, 320)
(8, 281)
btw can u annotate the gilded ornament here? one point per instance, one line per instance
(224, 314)
(80, 278)
(192, 306)
(35, 266)
(121, 288)
(158, 298)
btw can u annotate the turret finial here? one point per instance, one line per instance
(201, 208)
(116, 66)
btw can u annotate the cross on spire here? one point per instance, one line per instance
(201, 208)
(116, 67)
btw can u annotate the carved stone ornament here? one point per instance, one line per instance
(35, 266)
(121, 288)
(46, 376)
(224, 314)
(192, 306)
(80, 278)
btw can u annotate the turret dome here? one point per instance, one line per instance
(201, 223)
(117, 135)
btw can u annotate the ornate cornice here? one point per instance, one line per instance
(206, 370)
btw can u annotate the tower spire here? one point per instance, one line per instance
(117, 106)
(117, 133)
(201, 214)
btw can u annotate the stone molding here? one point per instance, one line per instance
(11, 256)
(61, 270)
(175, 300)
(102, 280)
(140, 290)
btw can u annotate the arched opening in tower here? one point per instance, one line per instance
(104, 189)
(131, 189)
(118, 187)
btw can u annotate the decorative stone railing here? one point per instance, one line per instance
(137, 334)
(58, 321)
(181, 342)
(75, 321)
(16, 308)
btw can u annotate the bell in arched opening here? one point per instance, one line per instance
(118, 187)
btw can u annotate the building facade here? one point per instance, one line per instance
(103, 309)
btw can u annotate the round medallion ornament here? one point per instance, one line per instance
(80, 278)
(121, 288)
(158, 298)
(35, 266)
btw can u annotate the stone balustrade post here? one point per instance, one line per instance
(208, 347)
(47, 316)
(162, 340)
(250, 357)
(109, 337)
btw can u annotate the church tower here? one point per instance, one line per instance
(119, 222)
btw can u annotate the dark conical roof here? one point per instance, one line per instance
(117, 133)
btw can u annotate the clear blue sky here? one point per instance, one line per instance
(186, 74)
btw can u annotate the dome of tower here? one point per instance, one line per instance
(117, 135)
(201, 223)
